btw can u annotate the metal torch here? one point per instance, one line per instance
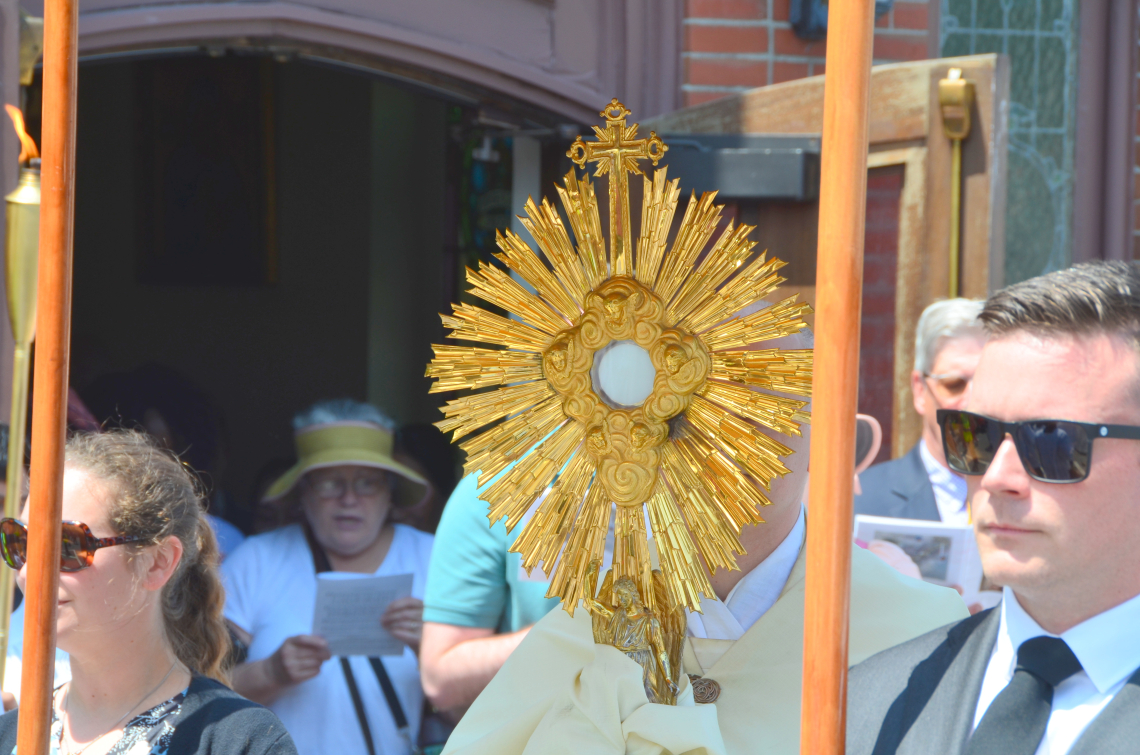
(21, 267)
(956, 96)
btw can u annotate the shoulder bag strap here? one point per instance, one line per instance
(389, 693)
(321, 564)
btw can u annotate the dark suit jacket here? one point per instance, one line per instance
(898, 488)
(919, 698)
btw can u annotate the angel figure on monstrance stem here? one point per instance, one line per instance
(633, 629)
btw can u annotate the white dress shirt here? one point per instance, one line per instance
(1108, 647)
(949, 489)
(753, 595)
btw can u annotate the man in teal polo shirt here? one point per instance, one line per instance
(479, 602)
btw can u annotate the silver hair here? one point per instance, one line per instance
(942, 320)
(342, 410)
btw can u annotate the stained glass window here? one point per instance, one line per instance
(1040, 38)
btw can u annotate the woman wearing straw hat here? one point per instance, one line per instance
(347, 484)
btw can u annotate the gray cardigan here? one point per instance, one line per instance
(214, 720)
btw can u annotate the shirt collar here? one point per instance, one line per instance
(1106, 645)
(755, 593)
(949, 488)
(938, 474)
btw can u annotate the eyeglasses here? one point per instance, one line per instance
(332, 488)
(1051, 450)
(77, 553)
(948, 386)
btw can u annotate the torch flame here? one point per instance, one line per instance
(28, 148)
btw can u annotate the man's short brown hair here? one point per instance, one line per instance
(1090, 298)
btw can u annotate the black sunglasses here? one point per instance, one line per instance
(1051, 450)
(77, 550)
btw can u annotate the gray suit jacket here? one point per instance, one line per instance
(898, 488)
(919, 698)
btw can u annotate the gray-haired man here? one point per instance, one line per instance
(948, 342)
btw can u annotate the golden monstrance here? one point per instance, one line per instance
(688, 449)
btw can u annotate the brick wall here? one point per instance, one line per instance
(733, 45)
(880, 271)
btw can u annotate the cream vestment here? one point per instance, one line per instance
(561, 693)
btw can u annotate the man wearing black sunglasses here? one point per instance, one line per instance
(1048, 442)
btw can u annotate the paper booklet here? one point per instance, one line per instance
(946, 554)
(348, 611)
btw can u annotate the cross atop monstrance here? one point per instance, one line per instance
(617, 152)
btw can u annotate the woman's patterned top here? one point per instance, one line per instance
(148, 733)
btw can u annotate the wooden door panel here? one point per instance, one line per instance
(907, 141)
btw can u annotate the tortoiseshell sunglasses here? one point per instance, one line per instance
(79, 545)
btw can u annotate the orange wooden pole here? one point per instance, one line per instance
(839, 284)
(49, 406)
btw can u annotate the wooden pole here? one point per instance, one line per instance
(49, 403)
(839, 284)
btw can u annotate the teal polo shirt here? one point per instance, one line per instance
(473, 581)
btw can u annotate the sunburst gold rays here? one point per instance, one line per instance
(783, 370)
(470, 323)
(491, 284)
(546, 226)
(712, 527)
(755, 452)
(659, 204)
(469, 413)
(542, 539)
(518, 256)
(581, 206)
(587, 543)
(493, 451)
(753, 283)
(685, 575)
(697, 226)
(773, 412)
(458, 368)
(631, 551)
(706, 473)
(776, 321)
(726, 256)
(512, 495)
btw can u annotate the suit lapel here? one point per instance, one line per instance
(911, 483)
(941, 699)
(1114, 730)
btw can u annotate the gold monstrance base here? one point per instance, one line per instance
(692, 455)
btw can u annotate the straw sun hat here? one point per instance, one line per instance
(363, 444)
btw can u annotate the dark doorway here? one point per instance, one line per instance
(239, 222)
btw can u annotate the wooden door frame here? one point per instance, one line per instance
(905, 130)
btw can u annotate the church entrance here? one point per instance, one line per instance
(271, 232)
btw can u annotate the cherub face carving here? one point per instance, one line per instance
(615, 306)
(557, 357)
(674, 358)
(625, 444)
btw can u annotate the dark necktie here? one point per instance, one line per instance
(1015, 721)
